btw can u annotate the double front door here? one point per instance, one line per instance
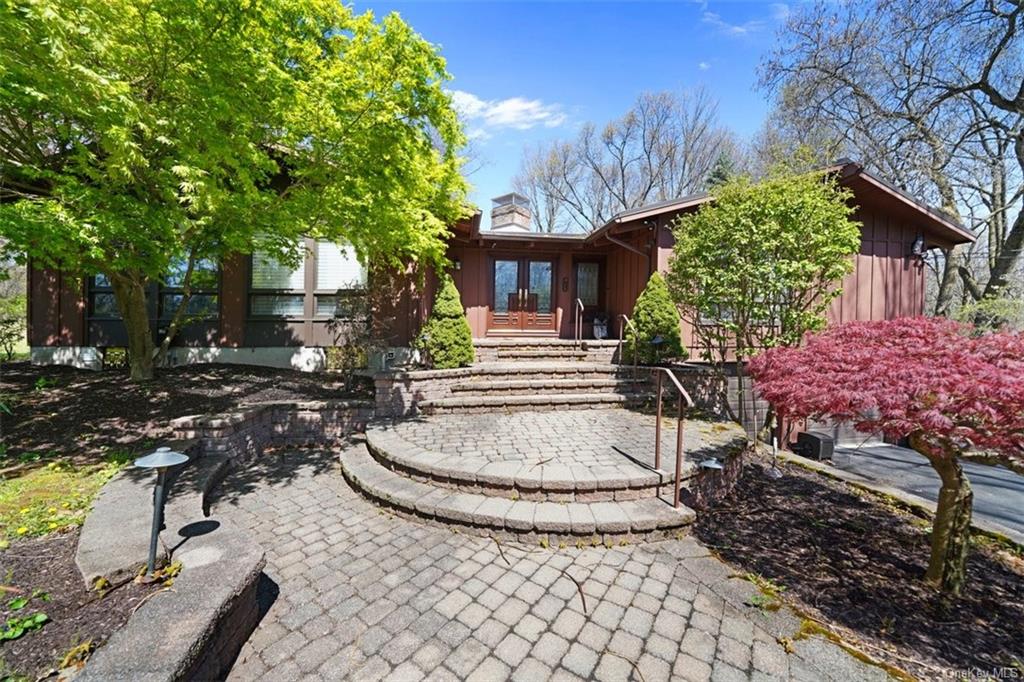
(523, 294)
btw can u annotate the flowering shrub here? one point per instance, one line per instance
(954, 395)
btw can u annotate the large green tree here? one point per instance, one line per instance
(759, 266)
(137, 138)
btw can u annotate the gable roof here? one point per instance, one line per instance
(939, 223)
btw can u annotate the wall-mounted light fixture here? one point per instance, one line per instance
(458, 264)
(917, 248)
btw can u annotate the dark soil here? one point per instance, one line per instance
(850, 559)
(76, 614)
(61, 411)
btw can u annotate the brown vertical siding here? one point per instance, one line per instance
(627, 276)
(886, 283)
(56, 308)
(565, 302)
(234, 283)
(72, 310)
(472, 281)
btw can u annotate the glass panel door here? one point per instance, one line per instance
(506, 286)
(506, 280)
(540, 286)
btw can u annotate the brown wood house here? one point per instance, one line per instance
(514, 282)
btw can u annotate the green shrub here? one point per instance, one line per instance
(654, 315)
(446, 336)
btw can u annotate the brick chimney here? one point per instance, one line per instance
(511, 213)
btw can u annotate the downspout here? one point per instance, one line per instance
(630, 247)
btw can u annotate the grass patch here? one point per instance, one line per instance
(51, 498)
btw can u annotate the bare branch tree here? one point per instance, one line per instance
(931, 95)
(664, 147)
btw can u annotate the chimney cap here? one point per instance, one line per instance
(511, 199)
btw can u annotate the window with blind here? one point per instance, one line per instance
(276, 289)
(340, 281)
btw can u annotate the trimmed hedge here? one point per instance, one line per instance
(655, 315)
(446, 337)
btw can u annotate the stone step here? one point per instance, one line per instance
(548, 385)
(572, 369)
(532, 348)
(543, 353)
(536, 342)
(536, 480)
(512, 403)
(527, 520)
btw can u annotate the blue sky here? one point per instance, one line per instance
(528, 72)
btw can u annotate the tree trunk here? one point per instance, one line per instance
(951, 529)
(130, 295)
(947, 282)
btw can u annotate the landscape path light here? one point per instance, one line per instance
(163, 459)
(712, 463)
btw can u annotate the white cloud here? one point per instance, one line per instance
(703, 66)
(778, 13)
(723, 26)
(513, 112)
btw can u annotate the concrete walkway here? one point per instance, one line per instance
(355, 593)
(998, 492)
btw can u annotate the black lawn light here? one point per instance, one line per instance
(163, 459)
(656, 343)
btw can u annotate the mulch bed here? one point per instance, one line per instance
(849, 559)
(80, 413)
(76, 615)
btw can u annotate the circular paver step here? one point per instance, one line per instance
(542, 478)
(528, 520)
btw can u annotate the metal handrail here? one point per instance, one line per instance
(578, 323)
(626, 322)
(684, 400)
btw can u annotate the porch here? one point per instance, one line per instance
(518, 284)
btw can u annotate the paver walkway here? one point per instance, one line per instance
(359, 594)
(604, 437)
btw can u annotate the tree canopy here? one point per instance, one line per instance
(759, 266)
(136, 138)
(954, 394)
(761, 263)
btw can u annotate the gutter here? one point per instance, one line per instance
(640, 252)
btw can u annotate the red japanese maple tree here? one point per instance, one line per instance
(955, 395)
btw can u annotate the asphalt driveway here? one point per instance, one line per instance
(998, 492)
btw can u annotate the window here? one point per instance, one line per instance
(340, 281)
(101, 299)
(588, 288)
(715, 316)
(205, 285)
(277, 289)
